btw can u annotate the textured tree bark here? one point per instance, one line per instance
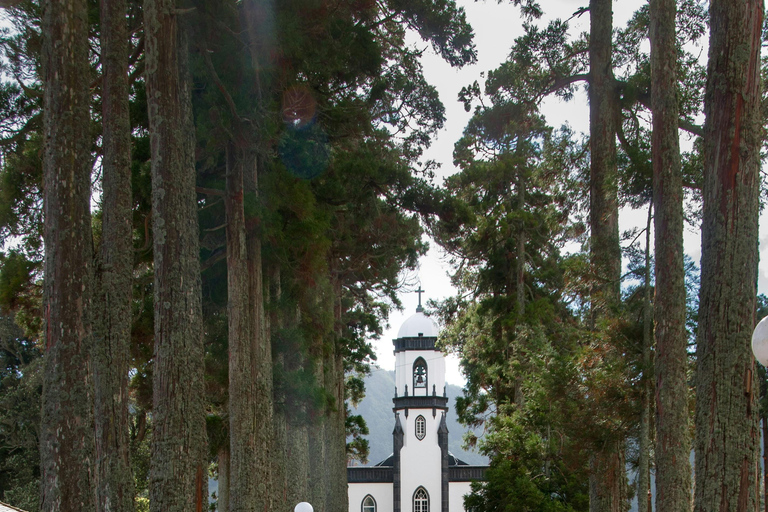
(223, 494)
(603, 119)
(673, 469)
(608, 485)
(607, 479)
(764, 424)
(178, 473)
(727, 431)
(261, 354)
(67, 448)
(279, 420)
(336, 438)
(112, 322)
(294, 454)
(297, 464)
(318, 424)
(245, 335)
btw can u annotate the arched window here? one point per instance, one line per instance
(421, 427)
(369, 504)
(421, 500)
(419, 374)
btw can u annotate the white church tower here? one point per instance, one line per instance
(420, 475)
(421, 436)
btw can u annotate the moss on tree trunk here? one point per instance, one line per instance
(673, 471)
(66, 435)
(608, 486)
(112, 322)
(727, 431)
(178, 472)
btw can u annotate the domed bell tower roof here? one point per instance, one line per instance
(416, 326)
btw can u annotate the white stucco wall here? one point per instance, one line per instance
(456, 493)
(435, 372)
(420, 460)
(382, 493)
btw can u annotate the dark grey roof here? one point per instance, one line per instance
(452, 461)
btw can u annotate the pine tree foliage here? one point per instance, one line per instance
(507, 221)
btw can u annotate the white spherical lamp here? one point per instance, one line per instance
(303, 507)
(760, 342)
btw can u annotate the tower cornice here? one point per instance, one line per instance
(415, 343)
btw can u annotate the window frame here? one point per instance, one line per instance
(424, 501)
(420, 433)
(363, 506)
(419, 362)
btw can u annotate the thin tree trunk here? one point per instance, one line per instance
(727, 429)
(67, 448)
(115, 486)
(519, 397)
(644, 443)
(603, 117)
(318, 424)
(673, 469)
(608, 485)
(279, 421)
(178, 473)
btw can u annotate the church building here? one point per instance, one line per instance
(421, 475)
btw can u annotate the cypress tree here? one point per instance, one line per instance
(112, 322)
(178, 471)
(727, 434)
(673, 471)
(66, 437)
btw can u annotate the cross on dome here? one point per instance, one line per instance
(419, 309)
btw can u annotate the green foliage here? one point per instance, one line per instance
(528, 473)
(20, 402)
(511, 211)
(20, 291)
(357, 447)
(139, 453)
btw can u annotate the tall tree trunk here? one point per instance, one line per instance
(607, 478)
(335, 432)
(222, 501)
(279, 420)
(761, 378)
(644, 442)
(112, 322)
(608, 486)
(727, 430)
(318, 424)
(178, 473)
(673, 469)
(261, 355)
(297, 458)
(66, 434)
(242, 393)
